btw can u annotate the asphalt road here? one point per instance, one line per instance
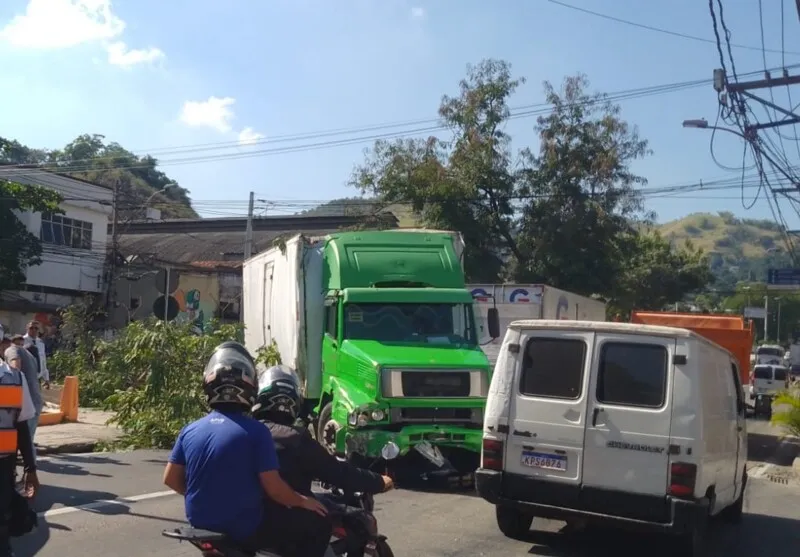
(77, 519)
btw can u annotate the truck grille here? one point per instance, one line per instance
(436, 384)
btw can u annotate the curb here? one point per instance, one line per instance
(74, 448)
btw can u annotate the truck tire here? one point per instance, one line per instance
(513, 523)
(326, 429)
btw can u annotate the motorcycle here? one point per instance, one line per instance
(355, 529)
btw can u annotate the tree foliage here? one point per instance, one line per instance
(149, 375)
(90, 158)
(19, 248)
(566, 213)
(787, 412)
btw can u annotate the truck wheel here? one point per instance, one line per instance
(328, 428)
(513, 523)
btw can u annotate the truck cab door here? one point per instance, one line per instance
(330, 339)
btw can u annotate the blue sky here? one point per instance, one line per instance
(142, 72)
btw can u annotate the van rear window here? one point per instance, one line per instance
(632, 374)
(553, 368)
(762, 372)
(780, 374)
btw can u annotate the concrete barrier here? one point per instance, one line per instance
(68, 407)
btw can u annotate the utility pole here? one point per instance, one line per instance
(248, 237)
(112, 264)
(248, 248)
(778, 335)
(766, 319)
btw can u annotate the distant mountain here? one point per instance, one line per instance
(740, 248)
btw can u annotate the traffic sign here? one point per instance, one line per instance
(783, 277)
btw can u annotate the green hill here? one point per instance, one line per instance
(740, 248)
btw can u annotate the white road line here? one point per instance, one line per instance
(106, 503)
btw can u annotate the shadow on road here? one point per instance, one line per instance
(756, 535)
(88, 459)
(763, 448)
(67, 468)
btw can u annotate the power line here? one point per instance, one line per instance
(657, 29)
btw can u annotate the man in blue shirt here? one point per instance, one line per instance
(225, 463)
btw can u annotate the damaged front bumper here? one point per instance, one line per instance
(368, 442)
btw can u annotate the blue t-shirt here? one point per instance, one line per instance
(224, 455)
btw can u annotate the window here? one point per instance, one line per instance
(59, 230)
(763, 372)
(553, 368)
(330, 320)
(780, 374)
(632, 374)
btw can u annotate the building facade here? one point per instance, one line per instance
(74, 246)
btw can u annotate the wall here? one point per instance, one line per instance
(193, 296)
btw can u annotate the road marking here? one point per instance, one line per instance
(106, 503)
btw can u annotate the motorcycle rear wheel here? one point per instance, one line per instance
(383, 549)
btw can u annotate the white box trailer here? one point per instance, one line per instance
(528, 301)
(283, 301)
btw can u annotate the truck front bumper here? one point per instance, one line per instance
(368, 442)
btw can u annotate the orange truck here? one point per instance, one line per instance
(732, 333)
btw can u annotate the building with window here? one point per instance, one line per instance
(74, 246)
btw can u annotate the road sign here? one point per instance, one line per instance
(783, 277)
(755, 312)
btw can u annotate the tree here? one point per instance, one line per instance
(88, 157)
(654, 274)
(19, 248)
(567, 214)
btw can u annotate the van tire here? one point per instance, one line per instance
(733, 514)
(513, 523)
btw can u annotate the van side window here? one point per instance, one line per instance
(553, 368)
(632, 374)
(330, 320)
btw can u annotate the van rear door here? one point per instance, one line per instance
(548, 407)
(629, 415)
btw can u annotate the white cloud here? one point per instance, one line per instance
(60, 24)
(249, 136)
(215, 113)
(417, 12)
(120, 55)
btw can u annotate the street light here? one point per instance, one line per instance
(155, 193)
(701, 123)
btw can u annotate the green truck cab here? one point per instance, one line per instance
(382, 331)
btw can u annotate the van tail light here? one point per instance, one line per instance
(682, 479)
(493, 454)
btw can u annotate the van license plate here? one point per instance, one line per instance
(545, 461)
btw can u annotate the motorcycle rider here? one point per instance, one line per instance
(302, 459)
(225, 462)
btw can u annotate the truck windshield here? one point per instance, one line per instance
(770, 351)
(447, 324)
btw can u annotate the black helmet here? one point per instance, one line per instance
(279, 399)
(230, 377)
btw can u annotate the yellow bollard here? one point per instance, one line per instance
(69, 399)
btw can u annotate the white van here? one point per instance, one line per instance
(768, 380)
(639, 425)
(770, 354)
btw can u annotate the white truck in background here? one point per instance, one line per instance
(516, 302)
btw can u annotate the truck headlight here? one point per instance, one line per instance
(378, 415)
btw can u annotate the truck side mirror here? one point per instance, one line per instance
(493, 318)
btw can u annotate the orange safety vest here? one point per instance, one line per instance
(11, 394)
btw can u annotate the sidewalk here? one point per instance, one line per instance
(80, 437)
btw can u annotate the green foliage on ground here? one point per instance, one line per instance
(566, 212)
(19, 248)
(89, 157)
(788, 416)
(149, 375)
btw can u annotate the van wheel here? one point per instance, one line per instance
(733, 514)
(513, 523)
(694, 543)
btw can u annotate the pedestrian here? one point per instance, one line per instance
(15, 411)
(33, 338)
(30, 369)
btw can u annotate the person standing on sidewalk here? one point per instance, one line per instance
(30, 370)
(32, 338)
(16, 409)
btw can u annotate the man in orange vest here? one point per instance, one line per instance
(16, 408)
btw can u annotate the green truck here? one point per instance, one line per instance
(382, 332)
